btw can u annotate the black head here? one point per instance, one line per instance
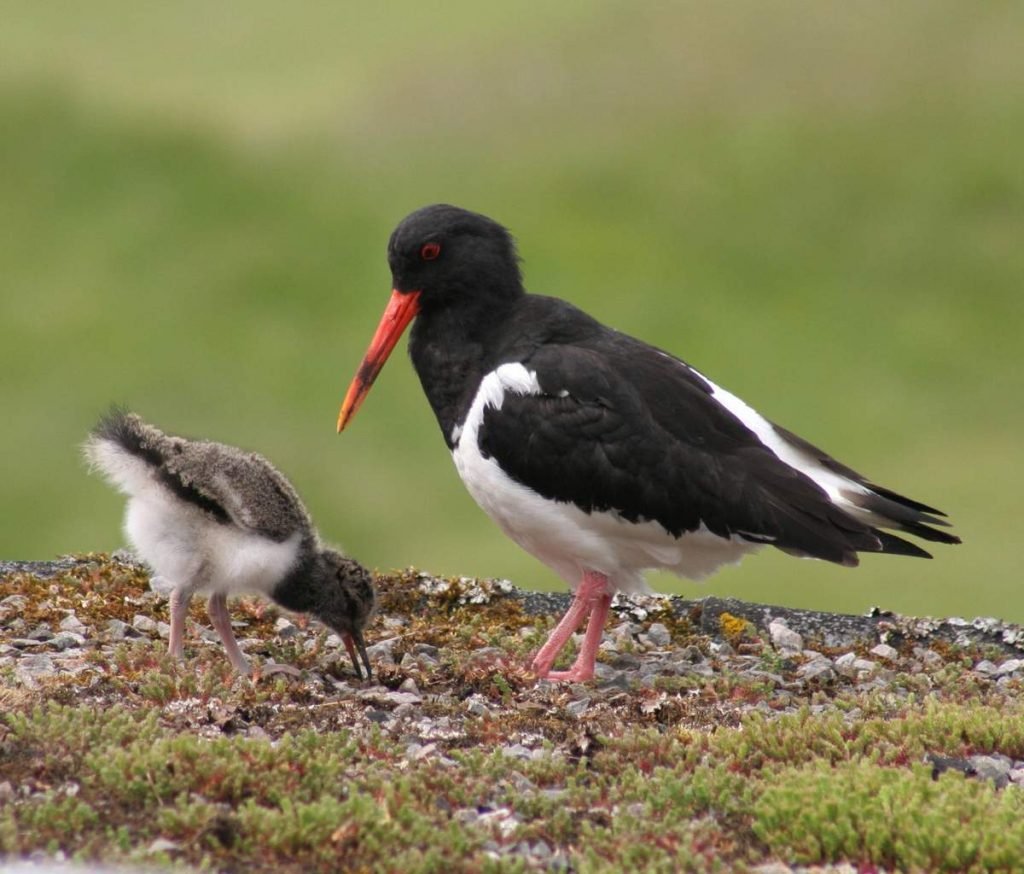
(447, 264)
(446, 253)
(345, 601)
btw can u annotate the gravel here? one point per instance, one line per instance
(654, 666)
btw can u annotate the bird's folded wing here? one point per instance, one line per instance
(237, 487)
(642, 436)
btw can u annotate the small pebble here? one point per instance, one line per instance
(162, 845)
(578, 707)
(928, 656)
(72, 623)
(31, 667)
(11, 605)
(659, 635)
(625, 661)
(995, 768)
(864, 667)
(117, 629)
(400, 698)
(383, 651)
(844, 663)
(515, 751)
(691, 654)
(66, 640)
(25, 643)
(541, 850)
(884, 651)
(819, 669)
(285, 628)
(784, 638)
(523, 784)
(476, 706)
(1010, 666)
(617, 680)
(423, 751)
(144, 624)
(17, 626)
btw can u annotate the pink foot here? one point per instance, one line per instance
(573, 675)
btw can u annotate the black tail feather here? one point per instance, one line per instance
(909, 503)
(150, 445)
(893, 545)
(903, 514)
(127, 430)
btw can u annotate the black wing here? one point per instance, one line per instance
(622, 427)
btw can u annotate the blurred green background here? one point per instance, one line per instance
(819, 204)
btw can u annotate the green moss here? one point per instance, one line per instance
(894, 818)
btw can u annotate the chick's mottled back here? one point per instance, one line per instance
(231, 485)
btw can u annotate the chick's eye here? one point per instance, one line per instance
(430, 251)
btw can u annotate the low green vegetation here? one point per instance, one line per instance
(893, 818)
(125, 756)
(110, 781)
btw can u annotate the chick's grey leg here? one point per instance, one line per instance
(179, 610)
(218, 610)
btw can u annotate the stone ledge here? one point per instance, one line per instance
(828, 629)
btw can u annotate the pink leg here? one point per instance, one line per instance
(591, 599)
(218, 610)
(179, 610)
(583, 668)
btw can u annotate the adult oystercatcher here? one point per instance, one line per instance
(210, 518)
(598, 454)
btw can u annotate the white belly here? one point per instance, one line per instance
(189, 550)
(567, 539)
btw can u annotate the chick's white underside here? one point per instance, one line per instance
(186, 547)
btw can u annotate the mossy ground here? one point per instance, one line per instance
(724, 771)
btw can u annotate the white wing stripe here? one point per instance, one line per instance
(835, 485)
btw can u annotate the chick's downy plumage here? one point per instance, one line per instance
(213, 519)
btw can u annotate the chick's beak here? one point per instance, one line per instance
(354, 642)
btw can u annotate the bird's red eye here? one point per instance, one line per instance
(430, 251)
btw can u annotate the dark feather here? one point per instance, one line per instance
(135, 437)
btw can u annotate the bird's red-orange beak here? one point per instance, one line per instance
(401, 309)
